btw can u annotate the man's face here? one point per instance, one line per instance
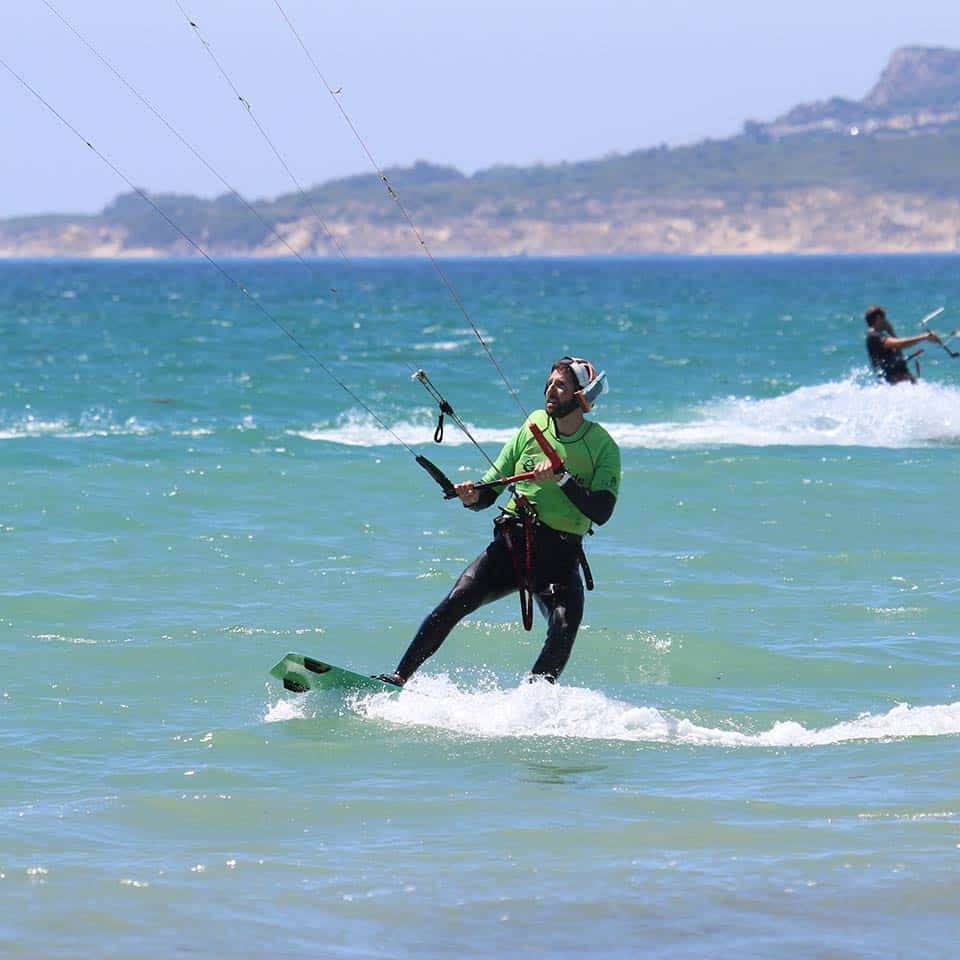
(559, 397)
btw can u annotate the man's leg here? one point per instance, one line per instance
(488, 578)
(563, 608)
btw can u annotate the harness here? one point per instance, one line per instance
(522, 560)
(519, 533)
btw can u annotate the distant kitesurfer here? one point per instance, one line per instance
(885, 348)
(537, 540)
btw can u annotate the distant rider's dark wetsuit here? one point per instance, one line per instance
(562, 514)
(889, 364)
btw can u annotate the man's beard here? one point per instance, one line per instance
(562, 410)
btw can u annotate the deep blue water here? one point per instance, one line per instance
(753, 750)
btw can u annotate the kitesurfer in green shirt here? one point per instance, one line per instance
(537, 543)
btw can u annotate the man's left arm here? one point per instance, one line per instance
(596, 502)
(596, 505)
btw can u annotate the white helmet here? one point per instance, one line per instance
(591, 383)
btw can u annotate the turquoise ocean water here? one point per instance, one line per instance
(754, 749)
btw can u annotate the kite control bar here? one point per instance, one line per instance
(545, 446)
(942, 340)
(449, 491)
(504, 481)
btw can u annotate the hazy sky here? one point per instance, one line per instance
(458, 82)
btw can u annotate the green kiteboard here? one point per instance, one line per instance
(299, 674)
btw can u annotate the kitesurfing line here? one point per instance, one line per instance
(943, 343)
(419, 375)
(925, 323)
(222, 270)
(271, 228)
(262, 130)
(400, 206)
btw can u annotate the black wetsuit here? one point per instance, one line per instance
(548, 567)
(889, 364)
(556, 586)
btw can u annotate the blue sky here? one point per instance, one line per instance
(458, 82)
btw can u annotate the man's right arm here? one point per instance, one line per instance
(475, 499)
(898, 343)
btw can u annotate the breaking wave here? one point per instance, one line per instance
(544, 710)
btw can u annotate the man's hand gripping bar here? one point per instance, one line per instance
(544, 444)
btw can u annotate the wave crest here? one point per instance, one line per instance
(544, 710)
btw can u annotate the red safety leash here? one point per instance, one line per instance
(552, 454)
(523, 569)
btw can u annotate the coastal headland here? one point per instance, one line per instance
(877, 175)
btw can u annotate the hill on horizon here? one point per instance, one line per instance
(873, 174)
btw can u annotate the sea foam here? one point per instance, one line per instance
(845, 413)
(544, 710)
(850, 412)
